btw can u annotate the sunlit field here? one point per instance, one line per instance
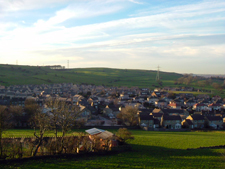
(149, 150)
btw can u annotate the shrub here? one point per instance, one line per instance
(124, 135)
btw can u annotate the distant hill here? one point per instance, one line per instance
(18, 75)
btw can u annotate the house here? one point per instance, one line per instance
(156, 110)
(190, 102)
(111, 111)
(206, 101)
(146, 111)
(161, 103)
(146, 120)
(85, 113)
(216, 98)
(140, 99)
(5, 101)
(144, 93)
(156, 123)
(157, 116)
(174, 106)
(215, 122)
(187, 123)
(208, 113)
(199, 107)
(10, 94)
(76, 99)
(178, 101)
(152, 99)
(203, 96)
(198, 120)
(214, 106)
(91, 109)
(175, 112)
(171, 122)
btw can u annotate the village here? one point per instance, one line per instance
(158, 109)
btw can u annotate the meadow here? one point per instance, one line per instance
(22, 75)
(150, 149)
(12, 75)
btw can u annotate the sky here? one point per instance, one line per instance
(183, 36)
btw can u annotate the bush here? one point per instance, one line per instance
(124, 135)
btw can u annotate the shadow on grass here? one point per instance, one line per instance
(140, 156)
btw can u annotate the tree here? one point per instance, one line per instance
(124, 135)
(17, 114)
(64, 116)
(172, 95)
(202, 83)
(217, 86)
(67, 116)
(30, 107)
(53, 105)
(5, 118)
(39, 120)
(129, 115)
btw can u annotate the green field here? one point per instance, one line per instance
(150, 150)
(19, 75)
(22, 75)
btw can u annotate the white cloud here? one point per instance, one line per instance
(177, 33)
(19, 5)
(136, 2)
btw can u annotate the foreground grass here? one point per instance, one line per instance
(150, 150)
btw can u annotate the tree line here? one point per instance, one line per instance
(60, 116)
(189, 79)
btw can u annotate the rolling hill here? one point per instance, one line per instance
(18, 75)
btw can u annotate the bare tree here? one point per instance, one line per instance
(53, 106)
(40, 121)
(129, 115)
(67, 117)
(5, 118)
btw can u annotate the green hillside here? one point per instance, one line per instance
(17, 75)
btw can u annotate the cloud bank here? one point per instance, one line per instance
(183, 37)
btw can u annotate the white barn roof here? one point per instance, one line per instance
(94, 131)
(103, 134)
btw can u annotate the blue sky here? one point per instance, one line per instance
(180, 36)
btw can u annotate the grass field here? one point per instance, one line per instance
(150, 150)
(12, 75)
(20, 75)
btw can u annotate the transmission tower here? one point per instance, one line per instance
(68, 62)
(157, 75)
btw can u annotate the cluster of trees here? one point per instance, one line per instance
(129, 115)
(187, 79)
(61, 115)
